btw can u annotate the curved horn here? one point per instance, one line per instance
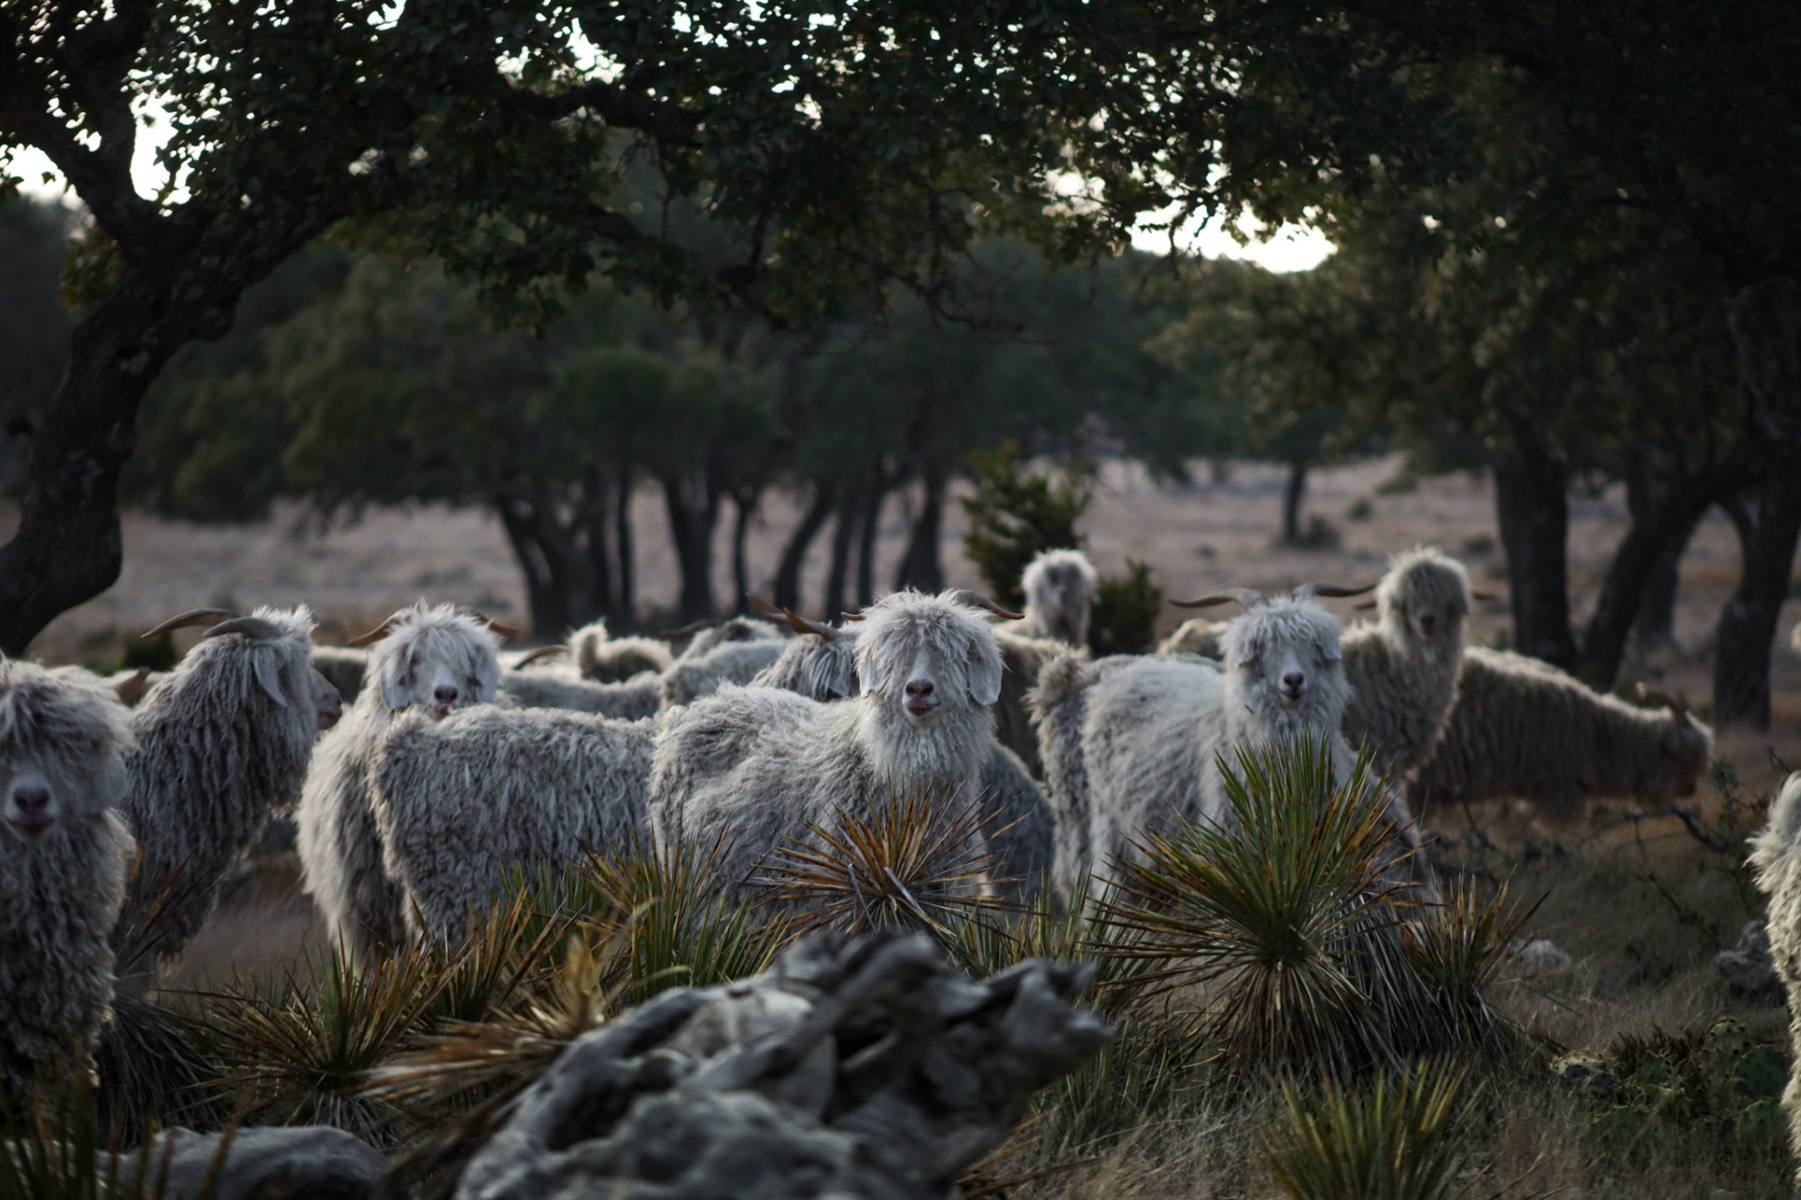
(540, 654)
(378, 633)
(1243, 596)
(252, 627)
(1327, 591)
(1365, 606)
(130, 689)
(765, 609)
(802, 624)
(975, 599)
(849, 616)
(1650, 695)
(499, 628)
(194, 616)
(676, 635)
(1485, 597)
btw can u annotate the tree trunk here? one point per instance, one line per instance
(870, 527)
(1646, 544)
(591, 522)
(1532, 509)
(843, 537)
(1656, 625)
(693, 503)
(794, 554)
(626, 608)
(541, 560)
(1292, 493)
(922, 566)
(67, 548)
(1765, 319)
(746, 506)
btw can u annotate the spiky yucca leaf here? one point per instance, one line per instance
(152, 1069)
(1396, 1140)
(1454, 949)
(53, 1147)
(299, 1056)
(510, 947)
(913, 862)
(1145, 1066)
(1275, 909)
(1065, 931)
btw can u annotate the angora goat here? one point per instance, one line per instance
(1776, 861)
(820, 663)
(755, 766)
(433, 660)
(1131, 741)
(63, 858)
(462, 800)
(1059, 589)
(607, 659)
(1403, 668)
(1522, 728)
(222, 743)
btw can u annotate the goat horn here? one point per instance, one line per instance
(1483, 596)
(252, 627)
(194, 616)
(1650, 695)
(378, 633)
(802, 624)
(1364, 605)
(1329, 591)
(849, 616)
(975, 599)
(500, 628)
(676, 635)
(131, 689)
(765, 609)
(1243, 596)
(541, 653)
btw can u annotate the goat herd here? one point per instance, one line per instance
(455, 764)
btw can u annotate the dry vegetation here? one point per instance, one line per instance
(1640, 902)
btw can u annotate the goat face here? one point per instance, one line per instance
(1424, 598)
(923, 655)
(1287, 659)
(436, 660)
(1060, 585)
(328, 706)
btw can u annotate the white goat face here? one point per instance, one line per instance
(1287, 654)
(1428, 596)
(437, 661)
(29, 802)
(925, 654)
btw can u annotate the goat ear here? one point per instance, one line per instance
(268, 677)
(984, 672)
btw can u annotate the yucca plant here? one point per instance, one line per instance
(913, 863)
(1277, 911)
(54, 1147)
(1454, 949)
(1143, 1069)
(1064, 930)
(152, 1067)
(510, 947)
(300, 1055)
(1397, 1139)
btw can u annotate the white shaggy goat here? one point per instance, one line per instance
(756, 766)
(1522, 728)
(1403, 667)
(461, 801)
(1776, 862)
(820, 663)
(223, 742)
(606, 659)
(1196, 636)
(688, 678)
(1131, 741)
(63, 857)
(436, 660)
(1059, 590)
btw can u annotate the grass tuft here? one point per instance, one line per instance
(1397, 1139)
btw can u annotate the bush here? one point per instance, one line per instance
(1013, 516)
(1125, 614)
(1399, 1140)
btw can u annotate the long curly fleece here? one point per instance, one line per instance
(59, 894)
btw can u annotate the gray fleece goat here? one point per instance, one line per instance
(222, 743)
(1403, 668)
(1196, 636)
(461, 801)
(63, 858)
(433, 660)
(820, 663)
(754, 767)
(1776, 862)
(1132, 741)
(607, 659)
(1522, 728)
(1059, 589)
(688, 679)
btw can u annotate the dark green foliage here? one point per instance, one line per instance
(1126, 608)
(153, 654)
(1013, 516)
(1396, 1139)
(1716, 1083)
